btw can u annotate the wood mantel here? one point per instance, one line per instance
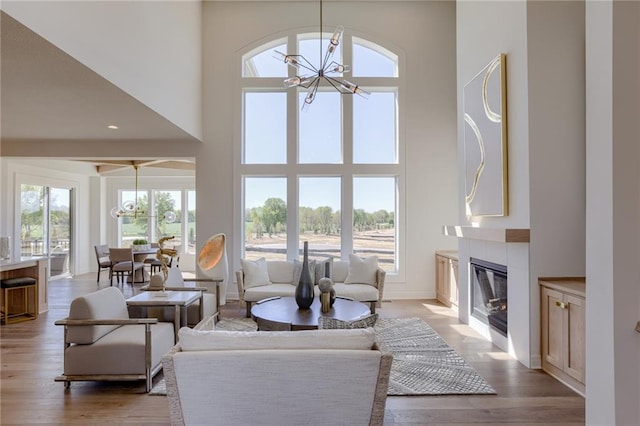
(501, 235)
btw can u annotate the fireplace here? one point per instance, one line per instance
(489, 294)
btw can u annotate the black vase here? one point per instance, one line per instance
(304, 289)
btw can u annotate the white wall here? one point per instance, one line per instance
(613, 209)
(556, 78)
(485, 29)
(149, 49)
(544, 46)
(425, 33)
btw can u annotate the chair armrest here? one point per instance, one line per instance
(380, 277)
(240, 280)
(147, 288)
(204, 280)
(187, 288)
(77, 322)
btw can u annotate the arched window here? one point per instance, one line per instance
(329, 175)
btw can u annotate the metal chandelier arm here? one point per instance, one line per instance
(326, 67)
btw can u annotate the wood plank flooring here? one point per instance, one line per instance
(31, 356)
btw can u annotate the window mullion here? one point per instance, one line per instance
(292, 159)
(346, 219)
(347, 158)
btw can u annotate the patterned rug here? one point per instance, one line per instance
(423, 363)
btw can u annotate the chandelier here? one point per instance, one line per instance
(310, 76)
(133, 210)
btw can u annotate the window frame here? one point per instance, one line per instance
(148, 185)
(347, 169)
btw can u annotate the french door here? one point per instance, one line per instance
(46, 225)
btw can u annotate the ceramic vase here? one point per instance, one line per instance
(304, 289)
(327, 274)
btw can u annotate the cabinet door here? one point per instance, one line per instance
(43, 287)
(575, 326)
(453, 281)
(441, 280)
(552, 327)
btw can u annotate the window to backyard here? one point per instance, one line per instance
(329, 175)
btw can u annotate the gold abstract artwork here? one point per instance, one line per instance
(485, 141)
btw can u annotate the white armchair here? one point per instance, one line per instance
(101, 342)
(328, 377)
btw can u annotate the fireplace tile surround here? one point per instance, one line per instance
(523, 331)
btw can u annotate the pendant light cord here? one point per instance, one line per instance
(320, 63)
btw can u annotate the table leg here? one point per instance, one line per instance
(184, 320)
(176, 321)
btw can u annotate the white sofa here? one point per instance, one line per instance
(101, 342)
(328, 377)
(282, 282)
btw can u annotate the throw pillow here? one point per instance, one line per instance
(321, 268)
(297, 271)
(255, 272)
(333, 323)
(362, 271)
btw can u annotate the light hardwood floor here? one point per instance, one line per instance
(31, 356)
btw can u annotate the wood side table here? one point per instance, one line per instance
(282, 313)
(178, 299)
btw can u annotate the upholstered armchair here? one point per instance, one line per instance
(317, 377)
(101, 342)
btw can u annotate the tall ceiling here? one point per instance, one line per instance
(46, 95)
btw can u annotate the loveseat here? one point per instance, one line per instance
(358, 279)
(329, 377)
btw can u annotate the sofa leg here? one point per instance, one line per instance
(248, 305)
(373, 307)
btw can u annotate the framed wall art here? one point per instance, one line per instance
(485, 141)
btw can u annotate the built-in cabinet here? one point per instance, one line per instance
(562, 330)
(447, 277)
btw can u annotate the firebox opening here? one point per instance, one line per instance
(489, 294)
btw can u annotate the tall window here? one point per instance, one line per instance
(329, 175)
(152, 226)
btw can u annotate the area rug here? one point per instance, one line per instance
(423, 363)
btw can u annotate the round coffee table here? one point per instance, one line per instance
(282, 313)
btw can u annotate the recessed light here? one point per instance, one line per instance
(112, 127)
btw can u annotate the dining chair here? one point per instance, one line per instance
(152, 261)
(123, 262)
(104, 262)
